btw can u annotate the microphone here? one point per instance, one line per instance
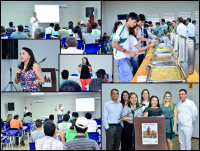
(44, 59)
(18, 75)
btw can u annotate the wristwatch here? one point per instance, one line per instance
(124, 50)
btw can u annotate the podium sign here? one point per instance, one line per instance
(148, 130)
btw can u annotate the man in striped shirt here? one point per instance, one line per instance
(80, 142)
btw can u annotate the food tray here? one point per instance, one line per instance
(156, 52)
(170, 62)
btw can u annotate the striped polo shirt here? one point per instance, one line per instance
(81, 143)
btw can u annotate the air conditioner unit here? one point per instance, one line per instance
(37, 101)
(63, 5)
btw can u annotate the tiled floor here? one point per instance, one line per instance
(196, 65)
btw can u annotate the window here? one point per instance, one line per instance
(154, 17)
(168, 16)
(196, 15)
(185, 15)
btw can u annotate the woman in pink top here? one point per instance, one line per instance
(88, 24)
(124, 101)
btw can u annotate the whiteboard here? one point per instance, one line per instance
(47, 13)
(85, 105)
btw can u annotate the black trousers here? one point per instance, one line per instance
(124, 141)
(113, 137)
(128, 130)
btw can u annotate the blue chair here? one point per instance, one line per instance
(32, 146)
(43, 35)
(91, 74)
(107, 76)
(98, 122)
(80, 44)
(60, 121)
(48, 36)
(8, 34)
(94, 136)
(74, 75)
(63, 42)
(71, 35)
(92, 48)
(26, 26)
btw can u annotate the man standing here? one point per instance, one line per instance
(164, 27)
(181, 28)
(34, 21)
(25, 110)
(186, 113)
(112, 113)
(59, 110)
(190, 30)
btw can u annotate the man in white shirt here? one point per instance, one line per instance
(151, 27)
(34, 21)
(95, 31)
(190, 30)
(186, 114)
(65, 125)
(92, 124)
(25, 110)
(181, 28)
(59, 110)
(71, 43)
(48, 29)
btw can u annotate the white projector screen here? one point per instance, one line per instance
(85, 105)
(47, 13)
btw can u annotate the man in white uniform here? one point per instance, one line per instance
(34, 21)
(181, 28)
(92, 124)
(190, 30)
(59, 110)
(186, 114)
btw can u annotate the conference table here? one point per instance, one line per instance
(193, 78)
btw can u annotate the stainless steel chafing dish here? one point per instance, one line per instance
(160, 55)
(157, 46)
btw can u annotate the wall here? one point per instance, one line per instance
(112, 9)
(154, 89)
(22, 11)
(42, 49)
(71, 63)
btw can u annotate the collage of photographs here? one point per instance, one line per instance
(99, 75)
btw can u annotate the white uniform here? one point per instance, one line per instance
(97, 33)
(140, 35)
(59, 112)
(182, 30)
(92, 126)
(191, 30)
(34, 25)
(25, 111)
(186, 114)
(132, 43)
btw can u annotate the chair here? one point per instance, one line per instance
(63, 42)
(43, 36)
(71, 35)
(92, 48)
(94, 136)
(7, 141)
(74, 75)
(48, 36)
(32, 146)
(16, 135)
(98, 122)
(8, 34)
(80, 44)
(107, 76)
(91, 74)
(28, 130)
(60, 121)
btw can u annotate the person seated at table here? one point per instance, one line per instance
(71, 43)
(19, 34)
(89, 38)
(92, 124)
(95, 85)
(82, 142)
(48, 29)
(16, 123)
(11, 28)
(154, 108)
(51, 118)
(65, 125)
(39, 33)
(49, 142)
(78, 33)
(3, 33)
(28, 119)
(71, 132)
(62, 33)
(70, 86)
(53, 32)
(101, 73)
(95, 32)
(65, 75)
(38, 133)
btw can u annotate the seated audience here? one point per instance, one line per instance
(3, 33)
(65, 125)
(81, 141)
(39, 33)
(99, 24)
(28, 119)
(89, 38)
(49, 142)
(88, 24)
(62, 33)
(51, 118)
(79, 23)
(11, 29)
(19, 34)
(38, 133)
(70, 86)
(95, 32)
(48, 29)
(68, 112)
(95, 84)
(71, 132)
(53, 32)
(101, 73)
(84, 28)
(71, 43)
(16, 123)
(65, 75)
(78, 33)
(92, 124)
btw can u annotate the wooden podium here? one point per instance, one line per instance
(162, 144)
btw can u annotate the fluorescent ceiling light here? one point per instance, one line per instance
(41, 93)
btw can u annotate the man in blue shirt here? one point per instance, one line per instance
(28, 119)
(158, 30)
(112, 113)
(3, 33)
(164, 27)
(19, 34)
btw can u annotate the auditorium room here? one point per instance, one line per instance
(174, 108)
(40, 58)
(39, 113)
(85, 72)
(157, 23)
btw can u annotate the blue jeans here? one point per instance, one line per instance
(135, 64)
(124, 70)
(108, 45)
(141, 58)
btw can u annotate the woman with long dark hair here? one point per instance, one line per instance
(78, 33)
(30, 73)
(84, 69)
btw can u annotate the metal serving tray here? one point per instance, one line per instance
(170, 66)
(170, 62)
(156, 52)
